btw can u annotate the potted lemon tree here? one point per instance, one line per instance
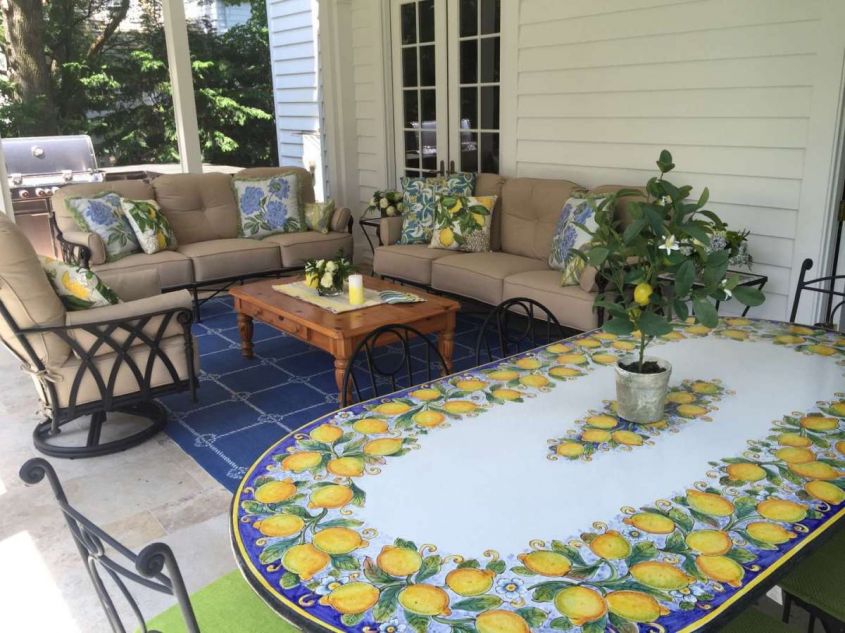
(656, 267)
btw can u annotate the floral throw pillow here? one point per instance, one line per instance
(103, 215)
(420, 199)
(462, 223)
(151, 227)
(78, 288)
(318, 215)
(269, 205)
(570, 236)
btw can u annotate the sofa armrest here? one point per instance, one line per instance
(390, 230)
(179, 299)
(130, 285)
(341, 220)
(82, 248)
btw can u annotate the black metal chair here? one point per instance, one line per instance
(390, 368)
(831, 286)
(514, 323)
(154, 567)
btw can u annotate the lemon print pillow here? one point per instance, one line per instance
(462, 223)
(78, 288)
(572, 233)
(149, 224)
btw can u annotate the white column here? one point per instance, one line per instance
(182, 86)
(6, 198)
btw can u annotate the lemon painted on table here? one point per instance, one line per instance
(426, 394)
(428, 419)
(459, 407)
(383, 446)
(280, 525)
(562, 371)
(346, 466)
(825, 491)
(635, 606)
(330, 497)
(470, 384)
(352, 598)
(660, 575)
(275, 491)
(558, 348)
(501, 621)
(467, 581)
(604, 359)
(399, 561)
(580, 604)
(794, 439)
(546, 562)
(721, 569)
(528, 362)
(710, 542)
(503, 375)
(424, 599)
(709, 503)
(305, 560)
(680, 397)
(602, 421)
(301, 461)
(507, 394)
(795, 455)
(338, 540)
(611, 546)
(370, 426)
(745, 471)
(327, 433)
(627, 438)
(651, 522)
(770, 533)
(570, 449)
(571, 359)
(815, 470)
(535, 380)
(777, 509)
(818, 423)
(392, 408)
(597, 436)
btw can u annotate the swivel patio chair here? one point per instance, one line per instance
(385, 357)
(94, 362)
(515, 324)
(225, 606)
(831, 287)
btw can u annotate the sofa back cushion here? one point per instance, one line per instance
(530, 211)
(199, 207)
(135, 189)
(491, 185)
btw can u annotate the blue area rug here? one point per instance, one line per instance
(245, 405)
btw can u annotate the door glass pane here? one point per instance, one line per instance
(490, 16)
(469, 61)
(412, 112)
(469, 151)
(409, 23)
(428, 105)
(409, 67)
(490, 152)
(427, 74)
(468, 18)
(412, 152)
(489, 107)
(469, 106)
(490, 59)
(426, 9)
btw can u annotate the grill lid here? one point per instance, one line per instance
(50, 158)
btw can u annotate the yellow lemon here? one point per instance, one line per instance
(604, 359)
(680, 397)
(275, 491)
(571, 359)
(425, 395)
(634, 605)
(501, 621)
(745, 471)
(425, 600)
(702, 386)
(75, 288)
(822, 350)
(595, 435)
(370, 426)
(691, 410)
(602, 421)
(338, 540)
(800, 329)
(558, 348)
(660, 575)
(642, 293)
(470, 582)
(815, 470)
(721, 569)
(327, 433)
(588, 343)
(302, 461)
(736, 335)
(709, 503)
(399, 561)
(795, 455)
(625, 346)
(353, 598)
(480, 220)
(611, 546)
(651, 522)
(305, 560)
(771, 533)
(628, 438)
(392, 408)
(534, 380)
(838, 408)
(840, 446)
(793, 439)
(507, 394)
(698, 330)
(561, 371)
(383, 446)
(459, 407)
(818, 423)
(447, 237)
(472, 384)
(504, 375)
(331, 496)
(782, 510)
(546, 562)
(528, 363)
(346, 466)
(825, 491)
(580, 604)
(570, 449)
(428, 419)
(280, 525)
(710, 542)
(738, 322)
(788, 339)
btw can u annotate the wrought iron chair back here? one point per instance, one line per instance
(386, 372)
(154, 567)
(534, 325)
(831, 286)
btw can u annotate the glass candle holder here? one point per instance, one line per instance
(356, 289)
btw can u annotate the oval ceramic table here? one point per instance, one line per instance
(511, 497)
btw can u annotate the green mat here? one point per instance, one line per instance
(820, 579)
(228, 605)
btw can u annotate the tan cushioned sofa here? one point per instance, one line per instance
(524, 222)
(203, 212)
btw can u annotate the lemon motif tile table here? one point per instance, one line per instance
(511, 498)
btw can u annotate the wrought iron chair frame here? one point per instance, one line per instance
(149, 564)
(502, 313)
(140, 403)
(824, 285)
(404, 334)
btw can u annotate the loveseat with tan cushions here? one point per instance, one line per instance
(203, 213)
(524, 222)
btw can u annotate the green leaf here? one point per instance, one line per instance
(289, 580)
(704, 197)
(430, 567)
(705, 312)
(345, 562)
(681, 519)
(545, 591)
(598, 626)
(479, 603)
(675, 543)
(633, 230)
(619, 326)
(497, 566)
(749, 296)
(462, 627)
(696, 232)
(681, 309)
(652, 324)
(642, 550)
(597, 255)
(684, 278)
(534, 616)
(405, 544)
(664, 163)
(417, 622)
(275, 551)
(351, 619)
(472, 563)
(523, 571)
(561, 624)
(347, 523)
(741, 555)
(375, 573)
(387, 602)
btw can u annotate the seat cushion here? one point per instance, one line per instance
(479, 275)
(411, 262)
(174, 269)
(236, 257)
(817, 582)
(297, 247)
(572, 306)
(755, 621)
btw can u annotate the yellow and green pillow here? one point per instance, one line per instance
(150, 225)
(78, 288)
(462, 223)
(318, 215)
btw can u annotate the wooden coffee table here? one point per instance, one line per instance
(338, 334)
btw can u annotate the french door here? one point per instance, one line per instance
(446, 85)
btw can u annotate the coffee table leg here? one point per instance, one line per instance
(446, 345)
(245, 329)
(340, 365)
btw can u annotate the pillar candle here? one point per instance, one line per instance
(356, 289)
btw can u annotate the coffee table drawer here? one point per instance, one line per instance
(281, 323)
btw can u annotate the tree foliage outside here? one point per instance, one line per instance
(73, 70)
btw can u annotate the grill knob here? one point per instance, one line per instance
(41, 193)
(26, 193)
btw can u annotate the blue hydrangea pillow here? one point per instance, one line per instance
(419, 199)
(102, 214)
(269, 205)
(570, 236)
